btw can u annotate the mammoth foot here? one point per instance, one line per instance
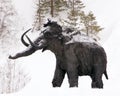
(98, 84)
(73, 84)
(56, 83)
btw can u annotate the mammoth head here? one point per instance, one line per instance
(47, 37)
(53, 27)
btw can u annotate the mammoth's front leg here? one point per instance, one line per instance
(72, 73)
(26, 52)
(58, 76)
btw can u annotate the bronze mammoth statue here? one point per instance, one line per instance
(75, 59)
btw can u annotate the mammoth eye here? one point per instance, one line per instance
(48, 35)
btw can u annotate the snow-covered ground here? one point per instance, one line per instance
(41, 65)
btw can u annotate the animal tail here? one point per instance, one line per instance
(105, 73)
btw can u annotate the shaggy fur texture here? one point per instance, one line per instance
(75, 59)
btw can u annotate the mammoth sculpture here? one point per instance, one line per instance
(74, 59)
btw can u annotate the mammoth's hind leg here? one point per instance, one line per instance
(58, 76)
(97, 84)
(96, 81)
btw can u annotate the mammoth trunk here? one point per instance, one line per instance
(37, 44)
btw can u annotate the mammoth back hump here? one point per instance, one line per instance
(89, 53)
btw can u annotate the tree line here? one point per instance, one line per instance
(72, 10)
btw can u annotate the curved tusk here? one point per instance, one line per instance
(33, 44)
(22, 38)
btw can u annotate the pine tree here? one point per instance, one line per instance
(74, 10)
(6, 13)
(75, 7)
(39, 16)
(52, 8)
(48, 8)
(59, 6)
(89, 23)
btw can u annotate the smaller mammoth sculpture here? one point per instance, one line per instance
(74, 59)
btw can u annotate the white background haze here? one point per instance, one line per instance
(41, 65)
